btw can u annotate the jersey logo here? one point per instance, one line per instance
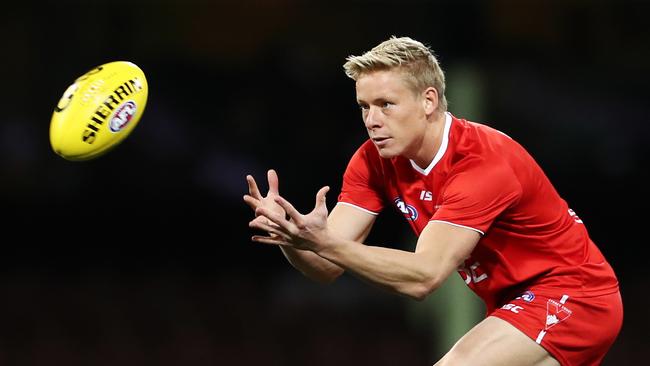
(575, 216)
(472, 273)
(555, 313)
(426, 196)
(512, 307)
(527, 296)
(410, 213)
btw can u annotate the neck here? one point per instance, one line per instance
(431, 140)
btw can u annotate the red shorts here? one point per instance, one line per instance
(574, 330)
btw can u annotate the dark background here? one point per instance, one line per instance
(143, 257)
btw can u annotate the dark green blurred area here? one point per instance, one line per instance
(143, 255)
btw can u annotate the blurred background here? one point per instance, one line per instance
(143, 256)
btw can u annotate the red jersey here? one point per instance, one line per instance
(483, 180)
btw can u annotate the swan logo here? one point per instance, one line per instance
(555, 313)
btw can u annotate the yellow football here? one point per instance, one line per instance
(98, 111)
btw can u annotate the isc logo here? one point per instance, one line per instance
(512, 307)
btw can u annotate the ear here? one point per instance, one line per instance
(430, 100)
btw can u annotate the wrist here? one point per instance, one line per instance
(328, 247)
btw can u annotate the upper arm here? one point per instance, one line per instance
(350, 223)
(447, 246)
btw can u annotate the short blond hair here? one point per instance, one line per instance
(416, 60)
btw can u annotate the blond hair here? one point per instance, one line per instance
(416, 60)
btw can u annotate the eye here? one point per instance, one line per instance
(363, 107)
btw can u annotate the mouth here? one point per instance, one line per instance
(380, 141)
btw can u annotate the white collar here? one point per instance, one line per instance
(441, 149)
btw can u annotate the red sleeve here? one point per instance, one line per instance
(362, 180)
(476, 196)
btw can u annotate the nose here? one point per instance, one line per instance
(372, 119)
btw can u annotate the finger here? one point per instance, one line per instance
(262, 223)
(252, 187)
(288, 208)
(252, 202)
(274, 182)
(269, 240)
(273, 234)
(276, 218)
(321, 197)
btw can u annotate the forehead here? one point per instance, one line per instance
(381, 83)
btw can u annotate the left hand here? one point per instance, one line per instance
(305, 232)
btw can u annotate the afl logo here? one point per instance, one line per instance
(527, 296)
(410, 213)
(122, 116)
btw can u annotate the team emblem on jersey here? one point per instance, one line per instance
(410, 213)
(527, 296)
(555, 313)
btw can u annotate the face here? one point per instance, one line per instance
(395, 117)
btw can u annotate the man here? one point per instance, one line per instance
(480, 205)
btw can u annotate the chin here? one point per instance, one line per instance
(387, 153)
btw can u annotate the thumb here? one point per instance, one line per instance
(321, 199)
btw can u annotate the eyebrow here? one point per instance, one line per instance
(375, 101)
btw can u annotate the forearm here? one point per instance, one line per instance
(312, 265)
(411, 274)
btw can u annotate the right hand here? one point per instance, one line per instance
(255, 200)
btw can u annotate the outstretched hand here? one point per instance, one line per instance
(256, 200)
(306, 232)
